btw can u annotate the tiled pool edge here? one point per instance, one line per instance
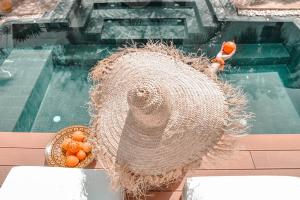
(60, 13)
(225, 11)
(32, 66)
(35, 99)
(222, 10)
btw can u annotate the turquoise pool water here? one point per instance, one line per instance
(273, 94)
(65, 100)
(273, 90)
(50, 62)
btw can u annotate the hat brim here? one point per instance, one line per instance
(223, 105)
(198, 111)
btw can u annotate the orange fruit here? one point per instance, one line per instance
(81, 155)
(73, 147)
(65, 144)
(86, 147)
(68, 153)
(78, 136)
(80, 144)
(6, 5)
(229, 47)
(71, 161)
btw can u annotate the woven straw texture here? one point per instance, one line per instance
(155, 116)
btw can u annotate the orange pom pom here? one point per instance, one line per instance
(229, 47)
(71, 161)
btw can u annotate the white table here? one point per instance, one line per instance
(242, 188)
(54, 183)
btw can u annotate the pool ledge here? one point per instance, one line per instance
(256, 155)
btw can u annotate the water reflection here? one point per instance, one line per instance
(5, 75)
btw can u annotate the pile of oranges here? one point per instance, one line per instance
(76, 149)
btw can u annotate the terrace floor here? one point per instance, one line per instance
(257, 155)
(276, 4)
(282, 8)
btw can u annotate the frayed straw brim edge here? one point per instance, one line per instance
(138, 184)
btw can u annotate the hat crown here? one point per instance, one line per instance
(149, 104)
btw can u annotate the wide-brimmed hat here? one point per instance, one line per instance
(157, 112)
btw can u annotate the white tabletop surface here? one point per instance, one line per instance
(242, 188)
(53, 183)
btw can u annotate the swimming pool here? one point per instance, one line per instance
(51, 61)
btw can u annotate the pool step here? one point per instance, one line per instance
(63, 12)
(193, 26)
(80, 15)
(104, 24)
(247, 54)
(255, 54)
(206, 15)
(121, 31)
(21, 96)
(203, 10)
(82, 55)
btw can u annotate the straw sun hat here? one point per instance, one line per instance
(157, 113)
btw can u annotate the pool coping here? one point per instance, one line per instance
(225, 11)
(60, 14)
(221, 11)
(268, 5)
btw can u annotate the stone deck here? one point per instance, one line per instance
(277, 5)
(271, 8)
